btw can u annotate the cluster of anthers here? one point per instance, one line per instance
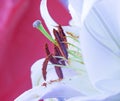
(60, 57)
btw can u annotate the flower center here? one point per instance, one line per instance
(60, 50)
(59, 58)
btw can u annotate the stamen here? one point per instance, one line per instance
(62, 46)
(75, 39)
(58, 69)
(58, 53)
(45, 63)
(37, 24)
(76, 55)
(47, 49)
(54, 61)
(73, 45)
(62, 35)
(71, 34)
(50, 82)
(59, 72)
(61, 58)
(60, 50)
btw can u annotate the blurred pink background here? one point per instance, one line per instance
(20, 44)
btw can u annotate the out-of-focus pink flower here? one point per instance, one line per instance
(20, 44)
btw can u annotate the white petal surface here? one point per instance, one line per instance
(75, 9)
(73, 81)
(79, 10)
(73, 29)
(54, 90)
(100, 45)
(49, 21)
(87, 5)
(36, 72)
(114, 97)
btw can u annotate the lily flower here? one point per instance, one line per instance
(99, 39)
(76, 70)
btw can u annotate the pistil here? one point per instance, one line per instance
(53, 61)
(37, 24)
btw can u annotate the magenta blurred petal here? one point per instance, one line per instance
(20, 44)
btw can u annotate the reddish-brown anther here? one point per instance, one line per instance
(58, 53)
(47, 51)
(63, 36)
(59, 50)
(57, 68)
(45, 63)
(53, 61)
(62, 46)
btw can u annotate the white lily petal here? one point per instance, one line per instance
(53, 90)
(75, 11)
(102, 65)
(74, 81)
(115, 97)
(50, 23)
(81, 84)
(97, 20)
(61, 90)
(73, 29)
(87, 5)
(103, 97)
(75, 32)
(79, 12)
(36, 73)
(93, 98)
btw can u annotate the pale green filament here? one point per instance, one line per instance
(37, 24)
(60, 57)
(72, 45)
(75, 39)
(75, 55)
(77, 60)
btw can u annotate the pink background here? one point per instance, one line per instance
(20, 44)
